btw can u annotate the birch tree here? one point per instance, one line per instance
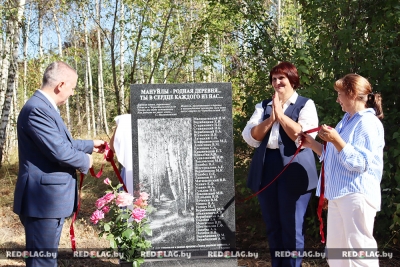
(102, 104)
(15, 19)
(40, 8)
(60, 53)
(121, 60)
(89, 75)
(6, 60)
(25, 33)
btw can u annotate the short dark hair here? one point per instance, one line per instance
(287, 69)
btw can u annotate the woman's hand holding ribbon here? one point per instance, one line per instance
(328, 134)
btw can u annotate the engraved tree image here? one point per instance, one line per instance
(166, 172)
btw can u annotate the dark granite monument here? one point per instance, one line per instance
(183, 157)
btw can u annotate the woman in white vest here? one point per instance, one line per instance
(272, 130)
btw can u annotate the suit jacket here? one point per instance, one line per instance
(48, 158)
(301, 174)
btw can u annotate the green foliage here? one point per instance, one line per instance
(361, 37)
(331, 39)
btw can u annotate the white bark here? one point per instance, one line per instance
(121, 62)
(89, 73)
(25, 40)
(87, 102)
(60, 52)
(40, 24)
(6, 62)
(207, 69)
(102, 104)
(78, 102)
(14, 32)
(152, 48)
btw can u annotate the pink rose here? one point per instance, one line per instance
(140, 203)
(124, 199)
(100, 203)
(107, 181)
(144, 196)
(138, 214)
(109, 196)
(105, 209)
(96, 216)
(104, 200)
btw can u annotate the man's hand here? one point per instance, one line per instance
(99, 146)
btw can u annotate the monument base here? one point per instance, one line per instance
(203, 262)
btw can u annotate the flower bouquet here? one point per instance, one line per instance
(123, 221)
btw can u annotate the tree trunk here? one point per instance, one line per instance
(60, 52)
(6, 62)
(160, 52)
(89, 75)
(40, 25)
(113, 61)
(207, 69)
(137, 44)
(25, 32)
(87, 101)
(102, 102)
(78, 102)
(121, 62)
(152, 48)
(14, 31)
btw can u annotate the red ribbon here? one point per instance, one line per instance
(321, 201)
(321, 197)
(287, 165)
(108, 156)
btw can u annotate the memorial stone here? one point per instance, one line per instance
(183, 157)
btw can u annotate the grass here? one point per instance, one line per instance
(86, 234)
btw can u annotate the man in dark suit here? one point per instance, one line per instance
(46, 189)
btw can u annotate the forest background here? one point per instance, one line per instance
(113, 44)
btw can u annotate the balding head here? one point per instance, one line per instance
(59, 81)
(57, 72)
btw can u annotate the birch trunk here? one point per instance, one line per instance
(152, 48)
(26, 27)
(60, 52)
(121, 62)
(137, 45)
(14, 31)
(40, 25)
(87, 102)
(1, 49)
(6, 62)
(102, 104)
(89, 74)
(207, 69)
(161, 49)
(78, 102)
